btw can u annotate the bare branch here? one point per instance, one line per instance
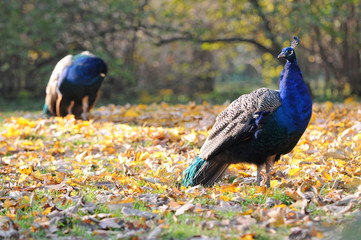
(267, 25)
(231, 39)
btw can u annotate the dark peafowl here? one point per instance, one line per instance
(74, 85)
(256, 128)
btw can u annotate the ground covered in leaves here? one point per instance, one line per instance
(117, 177)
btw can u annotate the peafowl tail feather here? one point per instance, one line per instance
(192, 171)
(203, 172)
(46, 110)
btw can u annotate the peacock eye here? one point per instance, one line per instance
(290, 52)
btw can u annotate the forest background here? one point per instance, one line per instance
(180, 51)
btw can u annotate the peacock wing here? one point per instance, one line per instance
(234, 123)
(51, 88)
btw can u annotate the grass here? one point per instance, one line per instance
(185, 226)
(312, 209)
(261, 234)
(280, 195)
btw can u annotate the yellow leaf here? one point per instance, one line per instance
(328, 106)
(191, 137)
(8, 203)
(357, 138)
(77, 171)
(174, 134)
(164, 105)
(26, 170)
(293, 194)
(12, 132)
(294, 171)
(248, 212)
(23, 177)
(274, 183)
(158, 155)
(143, 156)
(280, 206)
(319, 235)
(230, 188)
(27, 143)
(224, 198)
(38, 175)
(249, 236)
(327, 176)
(131, 113)
(127, 200)
(260, 189)
(349, 100)
(46, 211)
(25, 122)
(11, 216)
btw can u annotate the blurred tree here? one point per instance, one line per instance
(333, 33)
(329, 30)
(36, 34)
(183, 46)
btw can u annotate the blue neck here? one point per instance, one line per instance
(296, 109)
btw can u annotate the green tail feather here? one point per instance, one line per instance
(46, 112)
(192, 171)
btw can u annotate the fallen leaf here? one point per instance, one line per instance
(184, 208)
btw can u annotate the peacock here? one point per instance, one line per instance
(74, 85)
(256, 128)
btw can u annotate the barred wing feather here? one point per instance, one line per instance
(232, 124)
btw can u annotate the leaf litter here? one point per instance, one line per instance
(118, 175)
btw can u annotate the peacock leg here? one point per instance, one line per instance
(58, 101)
(70, 107)
(269, 163)
(92, 100)
(259, 177)
(85, 105)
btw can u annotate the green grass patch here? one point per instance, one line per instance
(186, 226)
(279, 194)
(262, 234)
(314, 211)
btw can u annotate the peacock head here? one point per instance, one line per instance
(289, 52)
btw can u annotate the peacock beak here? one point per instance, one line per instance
(281, 55)
(102, 74)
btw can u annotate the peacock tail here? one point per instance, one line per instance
(203, 172)
(192, 170)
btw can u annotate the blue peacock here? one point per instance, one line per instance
(256, 128)
(74, 85)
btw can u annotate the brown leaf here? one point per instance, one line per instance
(277, 216)
(110, 223)
(184, 208)
(133, 212)
(8, 228)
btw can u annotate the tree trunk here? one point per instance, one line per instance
(352, 65)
